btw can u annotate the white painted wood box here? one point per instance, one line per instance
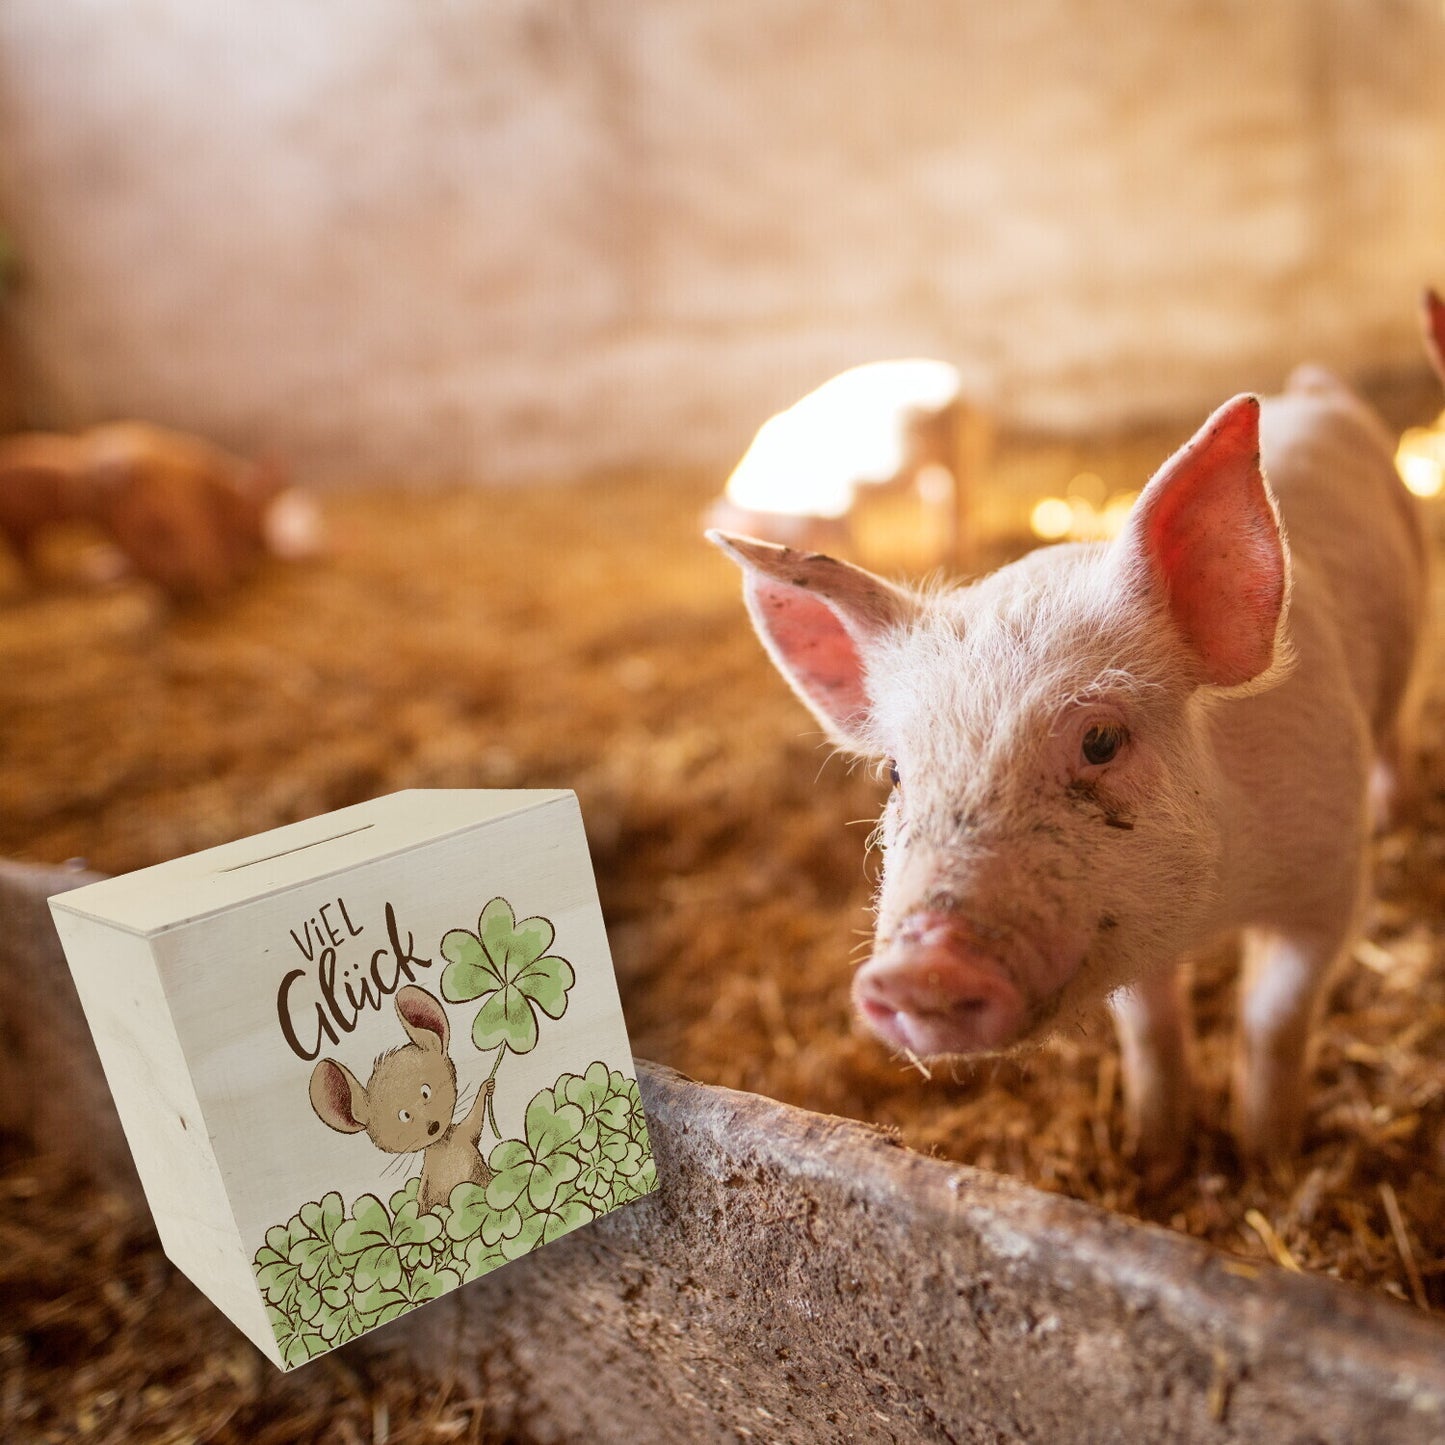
(364, 1058)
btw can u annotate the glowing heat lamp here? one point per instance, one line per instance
(882, 426)
(1421, 458)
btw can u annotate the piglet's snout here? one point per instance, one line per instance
(933, 990)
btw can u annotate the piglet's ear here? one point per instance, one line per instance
(1205, 533)
(338, 1097)
(423, 1018)
(1432, 318)
(816, 617)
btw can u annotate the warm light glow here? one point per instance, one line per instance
(1080, 519)
(852, 431)
(1116, 512)
(1052, 518)
(935, 485)
(1088, 486)
(1421, 458)
(1423, 475)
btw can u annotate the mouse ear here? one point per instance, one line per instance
(338, 1097)
(423, 1018)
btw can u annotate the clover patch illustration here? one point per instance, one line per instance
(468, 1197)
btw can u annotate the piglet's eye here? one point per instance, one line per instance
(425, 1092)
(893, 772)
(1103, 741)
(405, 1116)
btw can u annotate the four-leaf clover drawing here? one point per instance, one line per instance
(542, 1163)
(506, 965)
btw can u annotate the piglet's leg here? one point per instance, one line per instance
(1152, 1019)
(1281, 986)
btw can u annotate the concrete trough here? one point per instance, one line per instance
(803, 1278)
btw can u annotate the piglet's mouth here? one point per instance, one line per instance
(934, 990)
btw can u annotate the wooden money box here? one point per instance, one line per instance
(364, 1058)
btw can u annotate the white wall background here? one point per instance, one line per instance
(504, 239)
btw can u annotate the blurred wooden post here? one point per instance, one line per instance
(949, 455)
(973, 451)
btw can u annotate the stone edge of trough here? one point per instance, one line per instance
(801, 1277)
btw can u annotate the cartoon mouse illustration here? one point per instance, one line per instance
(408, 1103)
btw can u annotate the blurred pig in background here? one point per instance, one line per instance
(187, 515)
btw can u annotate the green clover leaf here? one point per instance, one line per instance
(468, 1208)
(549, 1127)
(339, 1320)
(422, 1256)
(276, 1276)
(595, 1184)
(472, 1216)
(616, 1161)
(566, 1217)
(587, 1092)
(407, 1192)
(568, 1209)
(379, 1303)
(369, 1225)
(295, 1264)
(505, 965)
(482, 1258)
(370, 1241)
(333, 1321)
(614, 1134)
(322, 1218)
(297, 1342)
(378, 1267)
(643, 1182)
(511, 1165)
(527, 1238)
(428, 1283)
(538, 1167)
(412, 1228)
(316, 1256)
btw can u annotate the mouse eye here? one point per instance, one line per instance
(1102, 742)
(425, 1092)
(405, 1116)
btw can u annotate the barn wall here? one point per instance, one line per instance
(539, 236)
